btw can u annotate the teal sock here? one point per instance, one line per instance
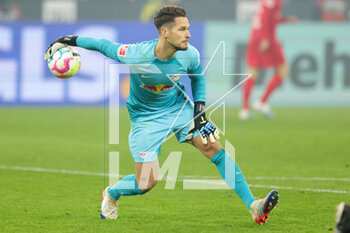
(233, 176)
(125, 187)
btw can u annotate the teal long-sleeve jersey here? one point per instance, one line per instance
(152, 81)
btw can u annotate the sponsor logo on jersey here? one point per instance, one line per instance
(122, 50)
(157, 88)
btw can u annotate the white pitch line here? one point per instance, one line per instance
(224, 185)
(63, 171)
(299, 178)
(49, 170)
(301, 189)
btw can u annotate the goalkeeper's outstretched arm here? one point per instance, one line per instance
(106, 47)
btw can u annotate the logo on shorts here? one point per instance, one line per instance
(122, 50)
(143, 154)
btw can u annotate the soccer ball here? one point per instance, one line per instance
(65, 63)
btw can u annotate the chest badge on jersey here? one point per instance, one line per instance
(176, 77)
(122, 50)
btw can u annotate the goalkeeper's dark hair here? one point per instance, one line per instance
(167, 14)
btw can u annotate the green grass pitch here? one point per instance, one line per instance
(297, 145)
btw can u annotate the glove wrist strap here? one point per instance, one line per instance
(72, 41)
(199, 107)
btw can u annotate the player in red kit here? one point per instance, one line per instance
(264, 51)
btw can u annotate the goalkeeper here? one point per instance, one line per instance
(158, 105)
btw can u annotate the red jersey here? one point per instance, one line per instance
(264, 25)
(266, 19)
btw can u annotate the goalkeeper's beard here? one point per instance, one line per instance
(177, 48)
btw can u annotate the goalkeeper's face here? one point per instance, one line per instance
(177, 33)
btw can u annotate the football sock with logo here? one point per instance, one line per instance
(233, 176)
(125, 187)
(275, 82)
(247, 89)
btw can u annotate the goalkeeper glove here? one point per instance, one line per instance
(61, 42)
(204, 127)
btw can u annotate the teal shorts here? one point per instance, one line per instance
(147, 137)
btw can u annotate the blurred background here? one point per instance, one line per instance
(317, 48)
(54, 133)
